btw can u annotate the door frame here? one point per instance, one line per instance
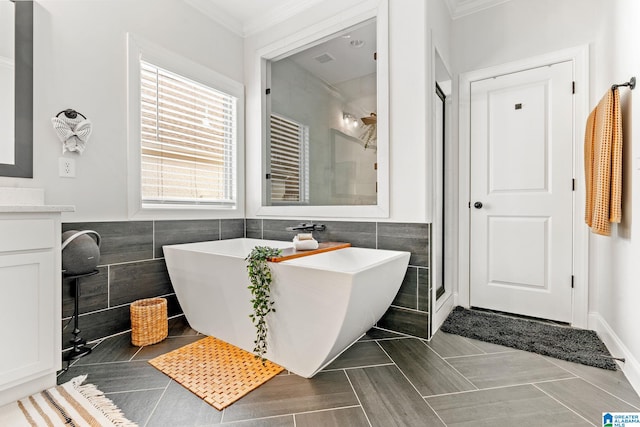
(579, 56)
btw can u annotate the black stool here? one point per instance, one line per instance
(79, 350)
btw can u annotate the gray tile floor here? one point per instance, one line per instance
(385, 380)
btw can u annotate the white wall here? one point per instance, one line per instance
(7, 65)
(80, 63)
(6, 29)
(520, 29)
(614, 266)
(410, 196)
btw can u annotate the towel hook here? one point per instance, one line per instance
(631, 83)
(70, 113)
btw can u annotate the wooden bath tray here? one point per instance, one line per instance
(291, 253)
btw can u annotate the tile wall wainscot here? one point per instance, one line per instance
(409, 312)
(132, 267)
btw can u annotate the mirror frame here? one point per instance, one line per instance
(23, 166)
(378, 10)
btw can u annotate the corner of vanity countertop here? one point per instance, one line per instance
(18, 199)
(36, 208)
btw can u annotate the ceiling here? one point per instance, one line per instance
(247, 17)
(337, 59)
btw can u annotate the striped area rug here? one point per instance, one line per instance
(70, 405)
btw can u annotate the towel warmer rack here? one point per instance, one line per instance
(631, 83)
(72, 114)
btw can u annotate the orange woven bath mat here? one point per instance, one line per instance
(216, 371)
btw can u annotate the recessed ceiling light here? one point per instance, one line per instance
(357, 44)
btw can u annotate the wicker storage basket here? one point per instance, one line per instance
(149, 323)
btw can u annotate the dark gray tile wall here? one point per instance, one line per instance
(424, 289)
(131, 267)
(409, 312)
(93, 293)
(254, 228)
(137, 280)
(176, 232)
(406, 237)
(408, 294)
(360, 234)
(275, 229)
(410, 322)
(121, 241)
(231, 228)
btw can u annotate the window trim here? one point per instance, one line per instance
(138, 48)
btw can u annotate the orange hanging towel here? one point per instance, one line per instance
(603, 164)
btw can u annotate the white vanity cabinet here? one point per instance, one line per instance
(30, 299)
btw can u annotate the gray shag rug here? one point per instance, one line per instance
(562, 342)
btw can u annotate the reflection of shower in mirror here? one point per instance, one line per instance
(370, 134)
(323, 87)
(350, 120)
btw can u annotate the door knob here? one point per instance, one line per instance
(477, 205)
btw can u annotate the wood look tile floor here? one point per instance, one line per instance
(385, 379)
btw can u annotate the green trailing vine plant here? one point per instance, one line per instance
(260, 277)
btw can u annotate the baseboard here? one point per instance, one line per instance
(456, 299)
(442, 312)
(27, 388)
(630, 366)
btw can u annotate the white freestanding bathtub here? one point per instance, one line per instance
(324, 302)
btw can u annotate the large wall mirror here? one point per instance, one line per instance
(322, 122)
(16, 88)
(325, 123)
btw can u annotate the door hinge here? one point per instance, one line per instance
(573, 87)
(469, 205)
(573, 184)
(268, 176)
(572, 278)
(268, 91)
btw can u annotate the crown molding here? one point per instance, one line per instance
(277, 15)
(227, 21)
(244, 29)
(460, 8)
(290, 8)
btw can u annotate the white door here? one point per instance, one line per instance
(522, 192)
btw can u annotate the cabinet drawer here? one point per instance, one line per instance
(26, 234)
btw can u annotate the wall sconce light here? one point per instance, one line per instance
(350, 120)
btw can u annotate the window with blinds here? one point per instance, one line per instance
(289, 160)
(188, 141)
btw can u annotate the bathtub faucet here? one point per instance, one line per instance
(307, 227)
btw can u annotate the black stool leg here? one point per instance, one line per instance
(79, 350)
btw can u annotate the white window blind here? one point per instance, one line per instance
(289, 160)
(188, 141)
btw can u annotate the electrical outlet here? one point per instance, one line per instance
(66, 167)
